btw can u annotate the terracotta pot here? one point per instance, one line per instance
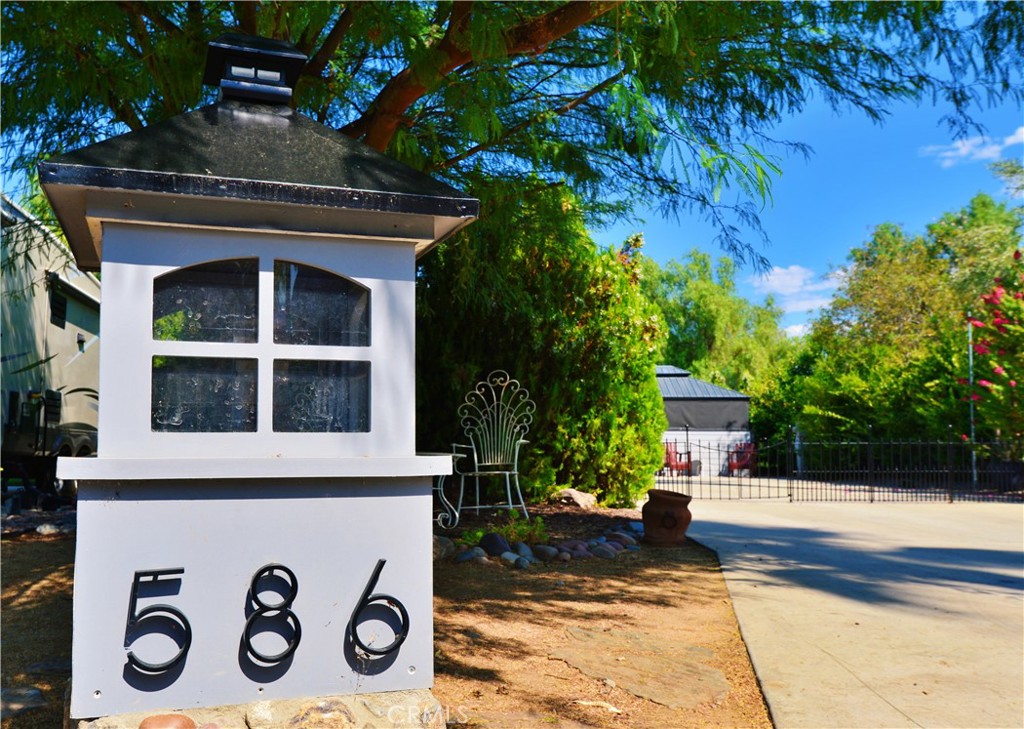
(666, 517)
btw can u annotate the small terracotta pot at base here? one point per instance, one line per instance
(666, 518)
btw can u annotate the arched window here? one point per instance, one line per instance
(218, 302)
(209, 302)
(317, 307)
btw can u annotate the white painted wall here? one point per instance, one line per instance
(135, 255)
(710, 447)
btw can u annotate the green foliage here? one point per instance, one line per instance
(999, 358)
(712, 331)
(525, 290)
(887, 356)
(623, 102)
(515, 528)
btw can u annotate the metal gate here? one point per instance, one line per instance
(844, 471)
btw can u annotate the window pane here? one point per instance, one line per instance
(204, 395)
(210, 302)
(313, 396)
(313, 306)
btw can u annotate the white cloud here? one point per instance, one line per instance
(797, 330)
(794, 286)
(972, 149)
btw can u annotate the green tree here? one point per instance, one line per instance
(999, 349)
(526, 290)
(624, 101)
(712, 331)
(889, 350)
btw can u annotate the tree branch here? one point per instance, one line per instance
(564, 109)
(318, 62)
(245, 11)
(378, 124)
(146, 10)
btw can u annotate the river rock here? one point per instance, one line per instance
(522, 549)
(564, 556)
(510, 557)
(622, 538)
(443, 547)
(494, 544)
(467, 555)
(545, 552)
(572, 544)
(522, 563)
(604, 551)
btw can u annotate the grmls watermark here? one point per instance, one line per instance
(412, 716)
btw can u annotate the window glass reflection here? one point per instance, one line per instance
(316, 307)
(203, 395)
(209, 302)
(316, 396)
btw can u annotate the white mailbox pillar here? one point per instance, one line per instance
(256, 524)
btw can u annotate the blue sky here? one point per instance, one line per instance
(909, 171)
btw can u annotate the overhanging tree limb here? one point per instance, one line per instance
(330, 45)
(378, 125)
(527, 123)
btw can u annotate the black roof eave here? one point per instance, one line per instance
(172, 183)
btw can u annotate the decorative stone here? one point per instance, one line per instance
(522, 549)
(19, 700)
(604, 551)
(494, 544)
(522, 563)
(167, 721)
(622, 538)
(468, 555)
(48, 530)
(636, 527)
(545, 552)
(510, 557)
(443, 547)
(582, 553)
(563, 556)
(615, 546)
(572, 496)
(572, 544)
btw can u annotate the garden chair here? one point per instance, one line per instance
(679, 463)
(495, 416)
(742, 457)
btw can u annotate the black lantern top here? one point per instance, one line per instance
(249, 146)
(249, 68)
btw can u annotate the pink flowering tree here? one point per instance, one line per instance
(998, 390)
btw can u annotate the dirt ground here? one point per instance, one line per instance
(658, 624)
(574, 645)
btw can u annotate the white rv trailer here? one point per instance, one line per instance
(50, 353)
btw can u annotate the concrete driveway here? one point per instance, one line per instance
(877, 615)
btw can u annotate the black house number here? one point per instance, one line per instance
(273, 615)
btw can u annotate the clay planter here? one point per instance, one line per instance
(666, 518)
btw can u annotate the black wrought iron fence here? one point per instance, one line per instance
(843, 470)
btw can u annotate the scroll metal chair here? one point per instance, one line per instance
(495, 417)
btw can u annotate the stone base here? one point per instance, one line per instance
(412, 709)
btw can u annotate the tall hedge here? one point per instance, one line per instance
(525, 289)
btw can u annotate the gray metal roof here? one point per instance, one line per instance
(665, 370)
(678, 384)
